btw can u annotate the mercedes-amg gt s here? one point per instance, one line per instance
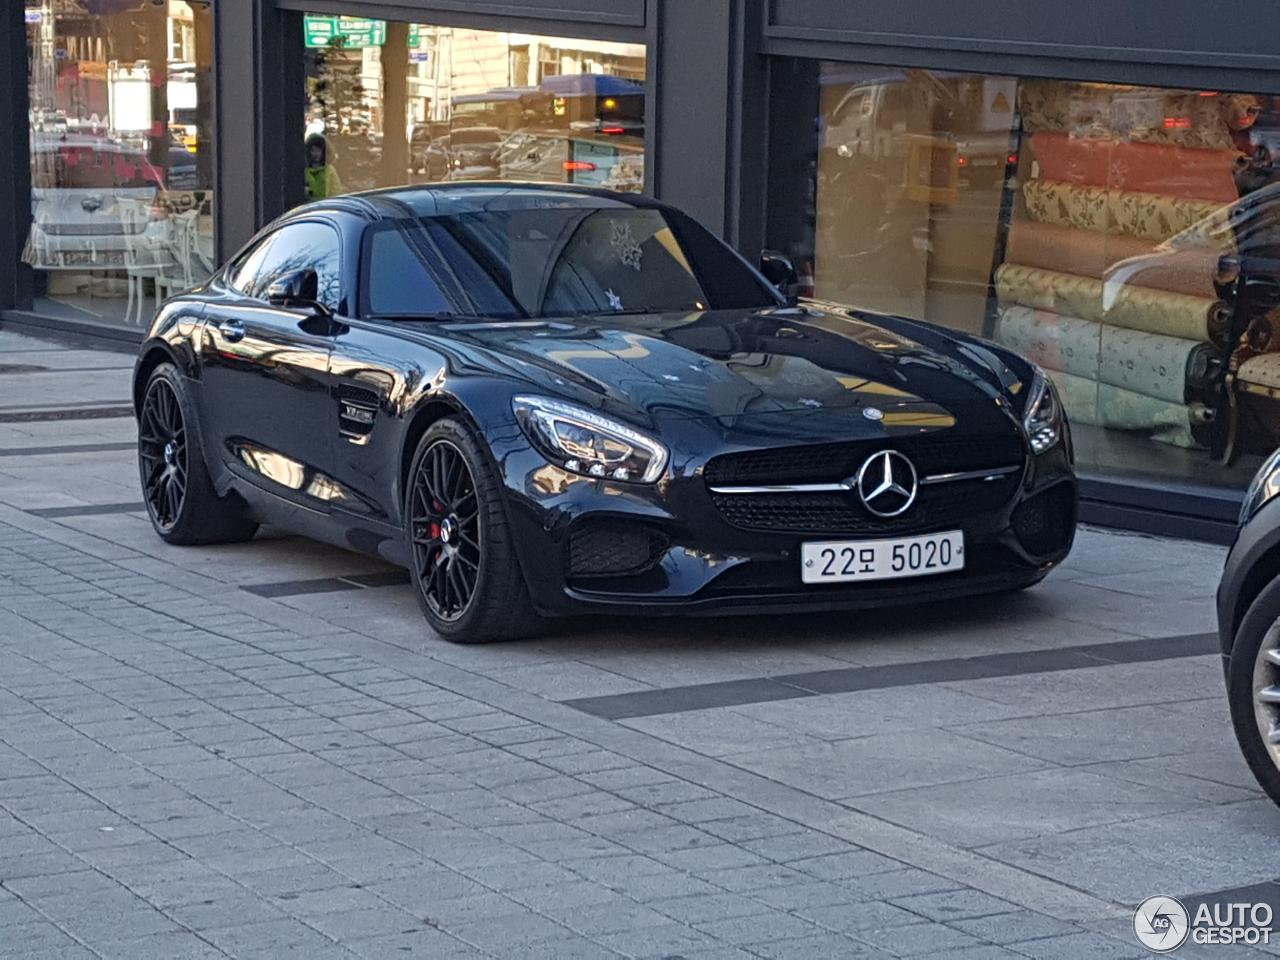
(546, 400)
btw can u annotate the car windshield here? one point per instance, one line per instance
(552, 261)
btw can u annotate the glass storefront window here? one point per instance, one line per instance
(121, 166)
(391, 103)
(1125, 238)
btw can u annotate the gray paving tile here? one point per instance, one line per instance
(922, 939)
(885, 762)
(855, 918)
(1091, 736)
(1004, 928)
(1076, 945)
(994, 809)
(954, 904)
(1125, 862)
(829, 946)
(761, 928)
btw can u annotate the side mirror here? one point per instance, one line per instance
(297, 288)
(779, 271)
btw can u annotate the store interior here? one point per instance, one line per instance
(1122, 237)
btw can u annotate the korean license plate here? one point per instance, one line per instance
(852, 561)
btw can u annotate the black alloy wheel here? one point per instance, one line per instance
(162, 453)
(447, 541)
(466, 575)
(181, 501)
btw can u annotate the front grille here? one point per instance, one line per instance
(839, 512)
(95, 228)
(940, 452)
(936, 505)
(614, 549)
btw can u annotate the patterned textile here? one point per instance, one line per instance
(1089, 253)
(1263, 369)
(1117, 304)
(1150, 216)
(1189, 271)
(1146, 363)
(1134, 113)
(1102, 405)
(1143, 167)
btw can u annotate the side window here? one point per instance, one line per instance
(399, 282)
(243, 271)
(295, 246)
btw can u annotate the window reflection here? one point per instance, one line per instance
(476, 105)
(121, 162)
(1122, 237)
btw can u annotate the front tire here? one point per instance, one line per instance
(464, 568)
(180, 499)
(1253, 688)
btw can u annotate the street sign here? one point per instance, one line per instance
(347, 32)
(351, 32)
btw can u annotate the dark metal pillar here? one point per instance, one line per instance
(15, 159)
(260, 102)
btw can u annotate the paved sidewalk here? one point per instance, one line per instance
(260, 751)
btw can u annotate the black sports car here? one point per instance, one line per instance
(549, 400)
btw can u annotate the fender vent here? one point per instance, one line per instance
(357, 410)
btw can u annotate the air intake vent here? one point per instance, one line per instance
(614, 549)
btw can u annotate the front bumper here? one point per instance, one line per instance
(702, 563)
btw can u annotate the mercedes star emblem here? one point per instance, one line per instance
(873, 413)
(886, 483)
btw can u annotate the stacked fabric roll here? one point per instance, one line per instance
(1110, 260)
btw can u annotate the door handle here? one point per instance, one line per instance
(231, 330)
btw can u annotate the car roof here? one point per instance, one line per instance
(474, 196)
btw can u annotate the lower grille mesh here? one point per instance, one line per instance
(613, 549)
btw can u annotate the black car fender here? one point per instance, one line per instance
(483, 403)
(1253, 562)
(170, 339)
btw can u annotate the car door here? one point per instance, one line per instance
(264, 367)
(375, 372)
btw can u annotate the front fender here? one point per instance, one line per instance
(172, 338)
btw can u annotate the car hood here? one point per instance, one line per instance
(738, 363)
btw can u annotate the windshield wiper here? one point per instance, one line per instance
(443, 315)
(606, 312)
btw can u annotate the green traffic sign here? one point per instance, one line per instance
(351, 32)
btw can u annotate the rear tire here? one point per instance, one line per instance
(464, 568)
(1251, 667)
(181, 502)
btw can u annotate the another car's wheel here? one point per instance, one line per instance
(465, 571)
(180, 498)
(1253, 688)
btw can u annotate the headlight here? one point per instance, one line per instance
(1043, 419)
(584, 442)
(1264, 485)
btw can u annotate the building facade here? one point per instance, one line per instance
(1091, 185)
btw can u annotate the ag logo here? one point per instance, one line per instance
(1161, 924)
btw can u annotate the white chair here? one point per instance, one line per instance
(143, 257)
(180, 273)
